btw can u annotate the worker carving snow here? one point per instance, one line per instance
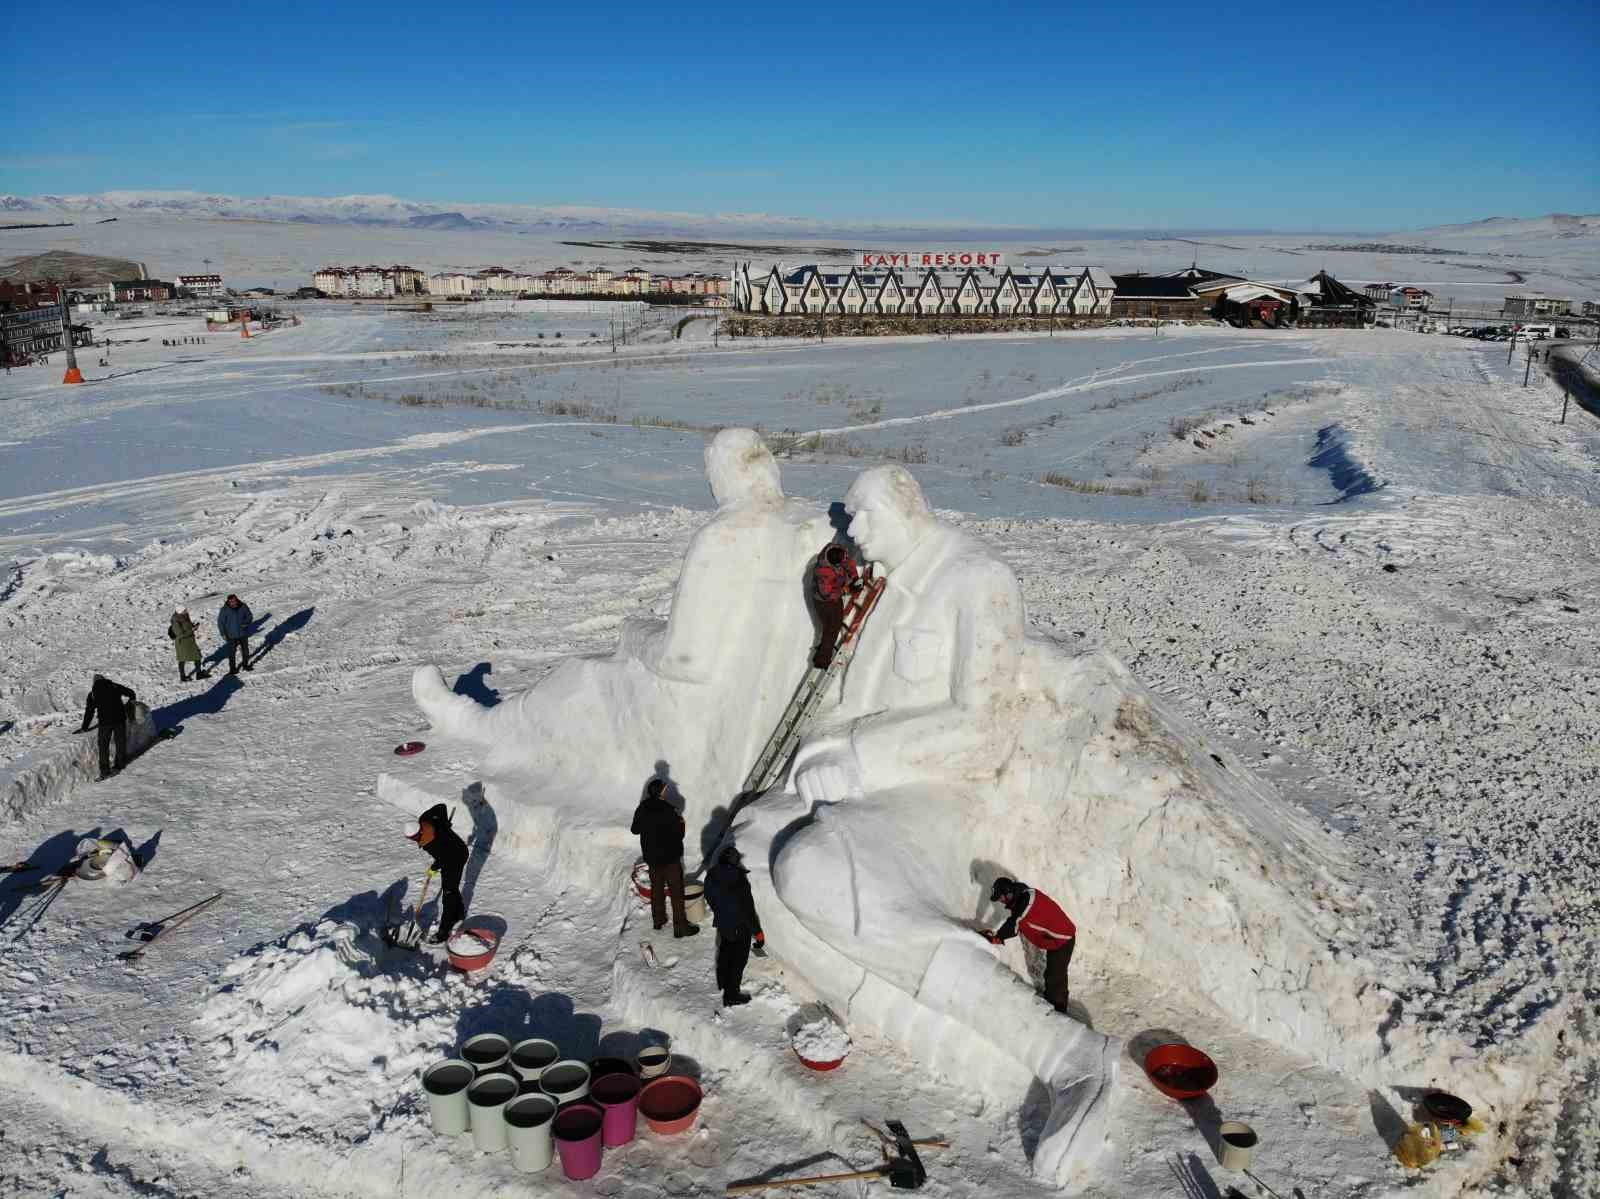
(700, 691)
(894, 781)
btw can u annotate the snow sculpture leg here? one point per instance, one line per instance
(859, 879)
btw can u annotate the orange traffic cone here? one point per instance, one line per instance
(244, 328)
(73, 375)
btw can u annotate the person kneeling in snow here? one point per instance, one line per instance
(1043, 924)
(439, 841)
(733, 909)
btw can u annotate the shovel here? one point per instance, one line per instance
(904, 1170)
(409, 935)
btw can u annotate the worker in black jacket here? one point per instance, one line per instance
(660, 831)
(110, 701)
(734, 910)
(438, 840)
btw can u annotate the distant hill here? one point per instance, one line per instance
(1555, 224)
(514, 218)
(63, 266)
(442, 220)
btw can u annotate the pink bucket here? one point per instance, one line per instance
(577, 1132)
(618, 1096)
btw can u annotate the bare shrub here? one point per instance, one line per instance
(911, 455)
(1014, 437)
(1091, 487)
(1198, 492)
(1182, 426)
(1256, 491)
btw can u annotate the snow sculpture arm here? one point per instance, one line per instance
(968, 734)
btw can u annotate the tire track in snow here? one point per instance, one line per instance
(1098, 379)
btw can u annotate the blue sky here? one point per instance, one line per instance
(1063, 115)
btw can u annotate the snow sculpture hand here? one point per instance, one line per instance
(826, 771)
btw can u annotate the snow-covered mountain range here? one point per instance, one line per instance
(392, 210)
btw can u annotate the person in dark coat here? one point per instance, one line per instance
(233, 622)
(832, 579)
(110, 701)
(733, 909)
(185, 643)
(660, 831)
(1042, 924)
(439, 841)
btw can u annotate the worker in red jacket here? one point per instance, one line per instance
(1041, 922)
(833, 578)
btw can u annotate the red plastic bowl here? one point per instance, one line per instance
(816, 1065)
(473, 961)
(409, 748)
(669, 1104)
(1180, 1071)
(641, 880)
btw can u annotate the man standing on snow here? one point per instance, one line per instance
(1043, 924)
(734, 910)
(181, 632)
(233, 622)
(438, 840)
(660, 831)
(108, 699)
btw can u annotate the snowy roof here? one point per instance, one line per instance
(1246, 292)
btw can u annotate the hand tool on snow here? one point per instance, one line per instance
(921, 1142)
(410, 935)
(904, 1171)
(169, 925)
(149, 932)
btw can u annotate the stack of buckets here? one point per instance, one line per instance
(528, 1100)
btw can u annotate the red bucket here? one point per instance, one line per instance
(641, 881)
(469, 959)
(669, 1104)
(1180, 1071)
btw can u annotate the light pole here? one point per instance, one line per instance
(73, 375)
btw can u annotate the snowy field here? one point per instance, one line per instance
(1366, 566)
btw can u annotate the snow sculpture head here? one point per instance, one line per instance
(889, 514)
(740, 468)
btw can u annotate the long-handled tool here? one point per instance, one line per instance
(409, 936)
(904, 1169)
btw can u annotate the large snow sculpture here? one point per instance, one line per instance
(954, 748)
(694, 691)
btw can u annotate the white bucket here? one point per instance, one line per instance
(1238, 1145)
(445, 1083)
(654, 1061)
(486, 1104)
(694, 903)
(530, 1057)
(565, 1080)
(528, 1120)
(487, 1051)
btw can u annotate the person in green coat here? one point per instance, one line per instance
(181, 632)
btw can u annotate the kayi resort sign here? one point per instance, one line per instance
(906, 260)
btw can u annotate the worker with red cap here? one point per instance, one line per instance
(1043, 924)
(439, 841)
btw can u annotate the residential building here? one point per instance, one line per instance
(1536, 303)
(1412, 299)
(199, 285)
(1379, 293)
(141, 291)
(1161, 297)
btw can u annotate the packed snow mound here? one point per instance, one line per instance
(952, 748)
(821, 1040)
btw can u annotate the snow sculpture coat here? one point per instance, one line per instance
(234, 623)
(182, 632)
